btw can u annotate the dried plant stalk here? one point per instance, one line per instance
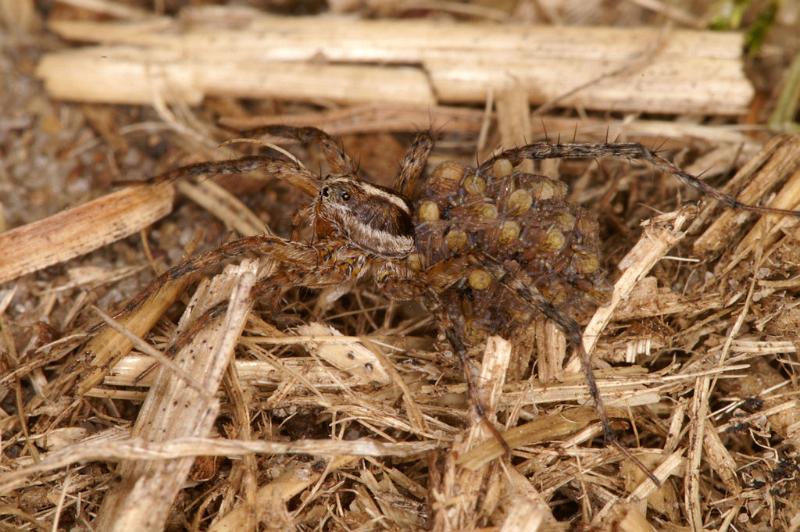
(117, 447)
(763, 377)
(673, 464)
(551, 426)
(527, 505)
(134, 76)
(370, 118)
(173, 409)
(777, 161)
(681, 72)
(660, 235)
(513, 116)
(278, 492)
(348, 356)
(82, 229)
(465, 493)
(108, 346)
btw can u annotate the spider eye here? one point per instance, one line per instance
(326, 192)
(345, 196)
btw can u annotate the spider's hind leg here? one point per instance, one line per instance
(572, 330)
(573, 333)
(625, 150)
(452, 322)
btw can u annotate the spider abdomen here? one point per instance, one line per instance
(520, 220)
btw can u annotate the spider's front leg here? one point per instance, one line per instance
(143, 311)
(338, 160)
(319, 265)
(286, 170)
(280, 168)
(322, 264)
(413, 164)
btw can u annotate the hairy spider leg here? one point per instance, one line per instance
(627, 150)
(289, 171)
(452, 323)
(279, 168)
(453, 326)
(338, 160)
(312, 266)
(199, 263)
(633, 150)
(432, 285)
(413, 165)
(572, 330)
(279, 249)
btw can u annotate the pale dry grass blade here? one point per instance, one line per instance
(225, 206)
(466, 494)
(277, 493)
(179, 449)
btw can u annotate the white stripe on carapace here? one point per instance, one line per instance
(373, 240)
(372, 190)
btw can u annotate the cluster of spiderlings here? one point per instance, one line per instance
(516, 218)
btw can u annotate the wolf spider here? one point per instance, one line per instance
(486, 248)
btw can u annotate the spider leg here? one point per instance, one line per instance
(452, 322)
(298, 269)
(218, 310)
(413, 164)
(258, 245)
(573, 333)
(275, 167)
(263, 245)
(338, 160)
(339, 262)
(628, 150)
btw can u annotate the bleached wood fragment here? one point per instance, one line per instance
(173, 409)
(645, 491)
(348, 356)
(82, 229)
(467, 493)
(294, 480)
(128, 75)
(347, 60)
(528, 509)
(119, 447)
(661, 234)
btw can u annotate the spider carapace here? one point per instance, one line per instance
(487, 248)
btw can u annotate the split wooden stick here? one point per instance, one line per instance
(220, 52)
